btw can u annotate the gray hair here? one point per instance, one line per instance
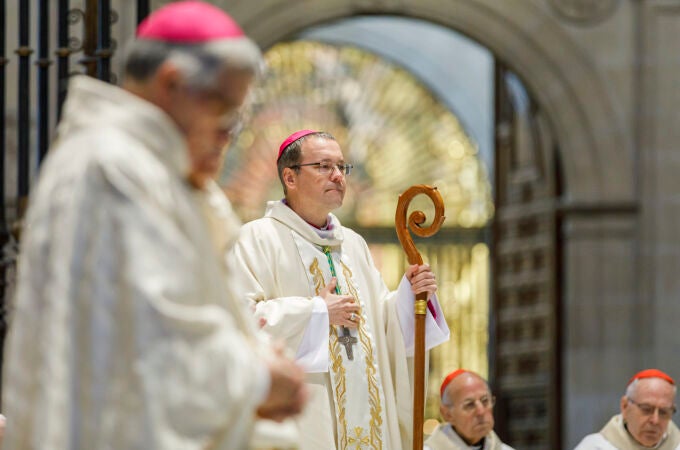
(292, 154)
(201, 64)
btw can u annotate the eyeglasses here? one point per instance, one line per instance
(647, 410)
(326, 168)
(469, 406)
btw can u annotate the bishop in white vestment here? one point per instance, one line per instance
(123, 335)
(361, 393)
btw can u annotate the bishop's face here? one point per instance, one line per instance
(313, 192)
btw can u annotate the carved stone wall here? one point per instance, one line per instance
(659, 184)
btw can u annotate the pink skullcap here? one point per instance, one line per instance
(651, 373)
(450, 378)
(292, 138)
(188, 21)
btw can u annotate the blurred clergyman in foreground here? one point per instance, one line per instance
(124, 335)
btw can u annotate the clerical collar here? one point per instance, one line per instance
(327, 227)
(478, 446)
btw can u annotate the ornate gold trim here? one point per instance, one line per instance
(374, 438)
(317, 276)
(373, 389)
(336, 360)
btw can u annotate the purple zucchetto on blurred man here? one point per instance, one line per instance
(125, 332)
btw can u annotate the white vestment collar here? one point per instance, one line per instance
(616, 433)
(445, 438)
(281, 212)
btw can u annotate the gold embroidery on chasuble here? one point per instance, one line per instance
(373, 389)
(358, 438)
(336, 360)
(317, 276)
(352, 437)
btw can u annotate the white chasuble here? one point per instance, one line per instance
(365, 402)
(123, 335)
(359, 401)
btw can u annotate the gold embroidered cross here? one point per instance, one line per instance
(358, 439)
(347, 340)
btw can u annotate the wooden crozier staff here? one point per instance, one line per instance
(415, 220)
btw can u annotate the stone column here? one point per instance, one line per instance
(659, 155)
(601, 319)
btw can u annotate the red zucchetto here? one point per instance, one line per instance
(651, 373)
(450, 378)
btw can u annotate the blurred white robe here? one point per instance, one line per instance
(444, 437)
(123, 335)
(366, 402)
(614, 436)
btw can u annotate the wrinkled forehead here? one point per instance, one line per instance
(655, 391)
(467, 386)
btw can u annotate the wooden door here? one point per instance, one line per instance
(525, 259)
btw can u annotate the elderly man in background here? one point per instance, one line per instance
(124, 335)
(645, 419)
(467, 409)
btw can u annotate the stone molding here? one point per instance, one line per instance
(559, 73)
(584, 12)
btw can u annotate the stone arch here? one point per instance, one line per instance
(557, 73)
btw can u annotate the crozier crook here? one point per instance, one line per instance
(415, 220)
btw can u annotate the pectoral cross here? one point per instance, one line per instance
(347, 340)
